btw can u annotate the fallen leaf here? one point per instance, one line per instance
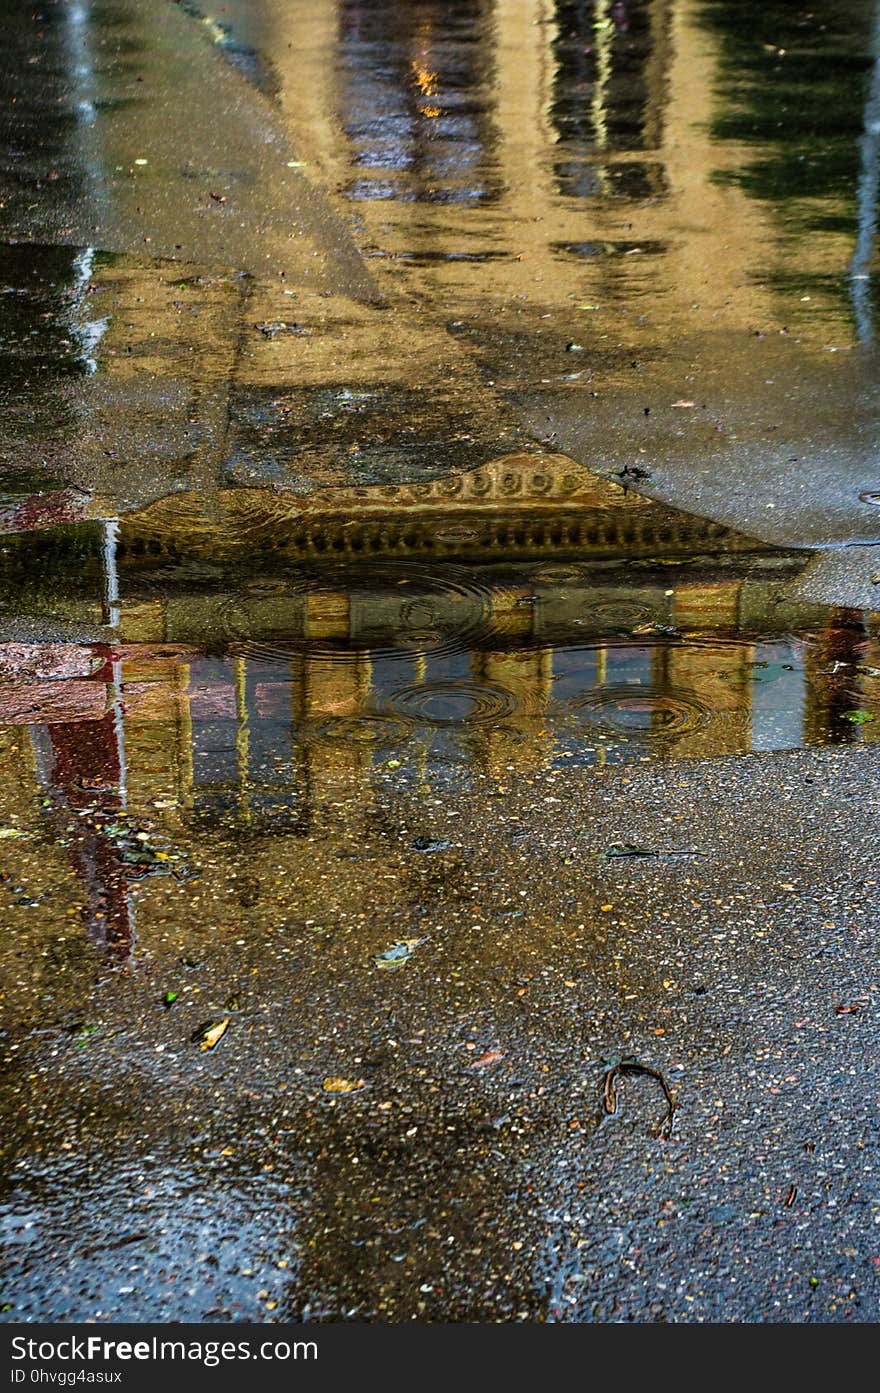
(6, 832)
(338, 1085)
(490, 1057)
(210, 1034)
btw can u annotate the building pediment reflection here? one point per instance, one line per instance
(517, 505)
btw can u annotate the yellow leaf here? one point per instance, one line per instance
(338, 1085)
(215, 1034)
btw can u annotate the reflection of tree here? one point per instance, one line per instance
(793, 84)
(831, 691)
(597, 57)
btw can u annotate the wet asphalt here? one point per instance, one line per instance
(471, 1172)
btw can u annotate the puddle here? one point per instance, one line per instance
(249, 700)
(601, 657)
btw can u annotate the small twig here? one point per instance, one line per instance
(619, 850)
(609, 1093)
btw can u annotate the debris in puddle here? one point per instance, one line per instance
(9, 832)
(335, 1084)
(270, 329)
(82, 1032)
(139, 850)
(485, 1060)
(632, 471)
(393, 957)
(210, 1033)
(660, 630)
(631, 1066)
(858, 718)
(620, 850)
(430, 844)
(848, 1008)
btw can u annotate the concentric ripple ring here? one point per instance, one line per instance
(639, 713)
(447, 705)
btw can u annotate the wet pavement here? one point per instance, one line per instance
(439, 662)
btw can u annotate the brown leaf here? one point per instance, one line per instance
(490, 1057)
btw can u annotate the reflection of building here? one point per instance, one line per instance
(274, 652)
(594, 125)
(519, 505)
(415, 100)
(608, 97)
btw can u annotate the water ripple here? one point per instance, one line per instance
(639, 713)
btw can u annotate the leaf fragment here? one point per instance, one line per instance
(208, 1035)
(485, 1060)
(394, 957)
(335, 1084)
